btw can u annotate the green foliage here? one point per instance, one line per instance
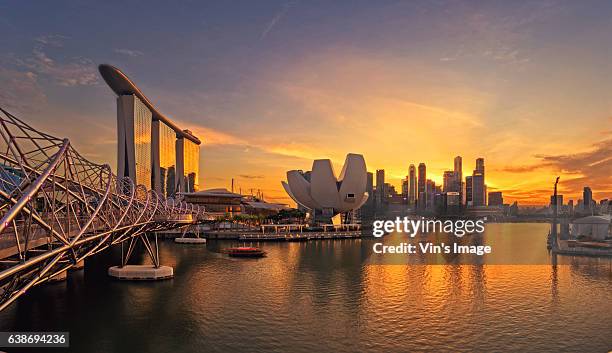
(288, 214)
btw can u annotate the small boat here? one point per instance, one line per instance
(244, 251)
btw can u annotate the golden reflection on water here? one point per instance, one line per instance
(329, 296)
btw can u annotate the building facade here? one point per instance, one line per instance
(164, 161)
(421, 186)
(412, 185)
(587, 197)
(188, 156)
(134, 121)
(381, 192)
(468, 190)
(479, 189)
(151, 149)
(496, 199)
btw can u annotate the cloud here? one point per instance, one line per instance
(75, 71)
(212, 137)
(277, 17)
(523, 168)
(497, 33)
(20, 90)
(592, 167)
(129, 52)
(248, 176)
(51, 39)
(297, 150)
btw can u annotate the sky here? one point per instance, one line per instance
(271, 85)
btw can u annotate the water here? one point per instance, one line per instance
(321, 296)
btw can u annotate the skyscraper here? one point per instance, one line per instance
(587, 197)
(370, 189)
(448, 181)
(430, 191)
(380, 186)
(496, 198)
(134, 159)
(163, 143)
(478, 184)
(480, 165)
(558, 201)
(188, 156)
(458, 167)
(151, 149)
(422, 196)
(412, 184)
(468, 190)
(458, 164)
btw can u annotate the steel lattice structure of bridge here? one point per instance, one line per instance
(58, 208)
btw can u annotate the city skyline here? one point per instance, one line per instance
(286, 85)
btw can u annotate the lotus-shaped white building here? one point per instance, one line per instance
(322, 190)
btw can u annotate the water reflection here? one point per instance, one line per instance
(328, 296)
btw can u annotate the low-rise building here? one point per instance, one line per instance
(216, 201)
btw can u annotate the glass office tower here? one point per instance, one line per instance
(164, 163)
(134, 122)
(188, 156)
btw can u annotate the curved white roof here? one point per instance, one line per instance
(324, 190)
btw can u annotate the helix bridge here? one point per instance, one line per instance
(58, 208)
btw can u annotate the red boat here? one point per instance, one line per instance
(244, 251)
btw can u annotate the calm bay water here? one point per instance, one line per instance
(321, 296)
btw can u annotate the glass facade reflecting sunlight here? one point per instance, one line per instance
(142, 143)
(191, 171)
(167, 160)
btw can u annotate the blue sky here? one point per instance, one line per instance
(270, 85)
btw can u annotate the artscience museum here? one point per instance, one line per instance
(324, 193)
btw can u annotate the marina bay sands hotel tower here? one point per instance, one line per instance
(152, 149)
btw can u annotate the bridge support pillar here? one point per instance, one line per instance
(190, 235)
(141, 272)
(151, 272)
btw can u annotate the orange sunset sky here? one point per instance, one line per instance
(271, 86)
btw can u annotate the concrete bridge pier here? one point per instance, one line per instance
(152, 272)
(190, 235)
(141, 272)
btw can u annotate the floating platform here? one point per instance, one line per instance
(141, 272)
(190, 240)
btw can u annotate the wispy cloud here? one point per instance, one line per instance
(593, 167)
(51, 39)
(249, 176)
(74, 71)
(129, 52)
(277, 17)
(523, 168)
(488, 34)
(20, 91)
(215, 137)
